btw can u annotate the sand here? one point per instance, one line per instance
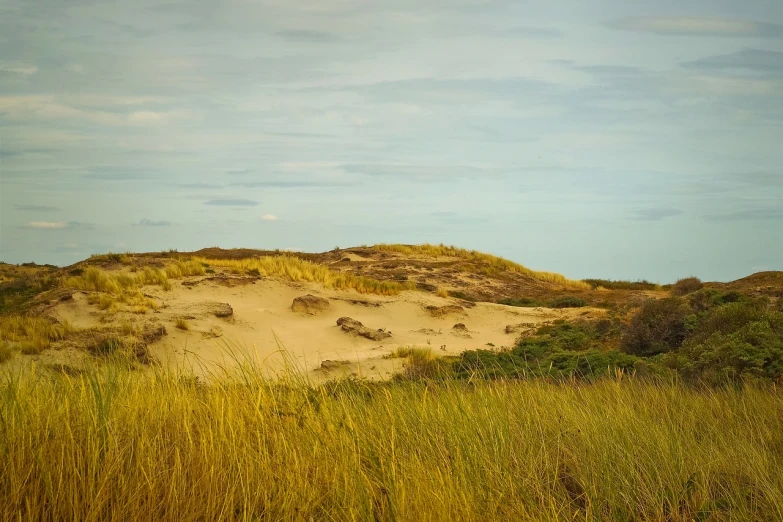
(264, 327)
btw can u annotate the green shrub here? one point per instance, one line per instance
(753, 351)
(568, 301)
(521, 302)
(622, 285)
(659, 326)
(686, 286)
(703, 300)
(727, 319)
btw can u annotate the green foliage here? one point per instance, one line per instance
(753, 351)
(658, 327)
(568, 301)
(14, 295)
(521, 302)
(703, 300)
(622, 285)
(686, 286)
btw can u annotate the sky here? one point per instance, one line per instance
(620, 139)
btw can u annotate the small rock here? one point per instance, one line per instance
(353, 326)
(222, 310)
(460, 326)
(310, 304)
(443, 311)
(333, 365)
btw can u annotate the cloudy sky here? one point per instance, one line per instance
(597, 138)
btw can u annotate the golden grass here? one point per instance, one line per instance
(33, 334)
(182, 324)
(490, 263)
(296, 269)
(112, 444)
(442, 292)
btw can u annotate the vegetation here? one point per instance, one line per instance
(108, 443)
(658, 327)
(487, 260)
(296, 269)
(182, 324)
(686, 286)
(31, 335)
(622, 285)
(566, 301)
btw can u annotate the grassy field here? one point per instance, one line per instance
(486, 260)
(114, 444)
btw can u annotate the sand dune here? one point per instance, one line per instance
(264, 326)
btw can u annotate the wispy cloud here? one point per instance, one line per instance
(302, 35)
(751, 214)
(56, 225)
(756, 61)
(150, 223)
(655, 214)
(268, 217)
(231, 203)
(697, 26)
(36, 208)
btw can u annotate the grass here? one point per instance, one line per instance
(115, 444)
(489, 262)
(182, 324)
(34, 334)
(6, 352)
(295, 269)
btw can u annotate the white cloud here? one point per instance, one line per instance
(147, 117)
(18, 68)
(50, 225)
(268, 217)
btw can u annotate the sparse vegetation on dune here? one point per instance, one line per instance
(107, 443)
(296, 269)
(31, 335)
(487, 260)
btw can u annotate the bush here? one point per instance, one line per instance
(754, 351)
(703, 300)
(568, 301)
(520, 301)
(658, 327)
(727, 319)
(686, 286)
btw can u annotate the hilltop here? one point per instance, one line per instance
(192, 308)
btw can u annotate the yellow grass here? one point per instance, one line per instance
(442, 292)
(489, 261)
(113, 444)
(296, 269)
(182, 324)
(31, 334)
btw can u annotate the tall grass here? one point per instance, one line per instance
(488, 260)
(32, 334)
(296, 269)
(112, 444)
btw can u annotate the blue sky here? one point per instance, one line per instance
(597, 138)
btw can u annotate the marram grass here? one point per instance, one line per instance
(296, 269)
(492, 262)
(113, 444)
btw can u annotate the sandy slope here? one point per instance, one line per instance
(264, 326)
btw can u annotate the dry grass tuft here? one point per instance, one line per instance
(295, 269)
(182, 324)
(442, 292)
(489, 263)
